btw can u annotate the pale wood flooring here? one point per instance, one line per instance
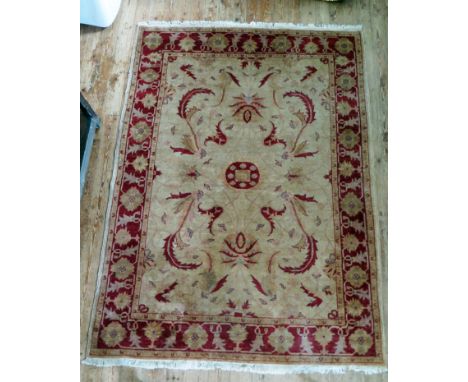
(105, 57)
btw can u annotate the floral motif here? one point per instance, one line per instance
(113, 334)
(248, 106)
(218, 42)
(195, 337)
(343, 108)
(132, 199)
(153, 40)
(281, 44)
(237, 333)
(356, 276)
(154, 57)
(153, 331)
(351, 204)
(346, 82)
(249, 46)
(360, 341)
(311, 47)
(344, 45)
(349, 139)
(323, 336)
(341, 60)
(149, 75)
(354, 307)
(122, 269)
(140, 163)
(346, 168)
(140, 131)
(281, 339)
(149, 100)
(122, 300)
(187, 43)
(350, 242)
(122, 237)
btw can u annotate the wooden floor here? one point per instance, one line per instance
(105, 57)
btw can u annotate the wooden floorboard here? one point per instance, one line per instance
(105, 60)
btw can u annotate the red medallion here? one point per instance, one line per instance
(242, 175)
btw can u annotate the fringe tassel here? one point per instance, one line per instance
(251, 25)
(234, 366)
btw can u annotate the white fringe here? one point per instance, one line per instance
(251, 25)
(261, 368)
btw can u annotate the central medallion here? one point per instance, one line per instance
(242, 175)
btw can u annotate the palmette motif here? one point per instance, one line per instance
(241, 225)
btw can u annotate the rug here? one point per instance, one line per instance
(240, 228)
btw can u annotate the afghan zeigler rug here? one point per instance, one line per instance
(241, 227)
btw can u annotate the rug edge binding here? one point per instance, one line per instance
(251, 25)
(379, 261)
(115, 163)
(234, 366)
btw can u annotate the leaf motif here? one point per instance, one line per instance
(265, 79)
(182, 111)
(180, 195)
(305, 198)
(219, 342)
(179, 242)
(191, 112)
(301, 244)
(309, 117)
(134, 339)
(181, 150)
(180, 205)
(258, 286)
(300, 207)
(161, 296)
(111, 315)
(233, 78)
(222, 226)
(219, 284)
(187, 141)
(301, 116)
(114, 287)
(340, 344)
(301, 146)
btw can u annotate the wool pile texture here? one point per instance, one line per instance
(240, 227)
